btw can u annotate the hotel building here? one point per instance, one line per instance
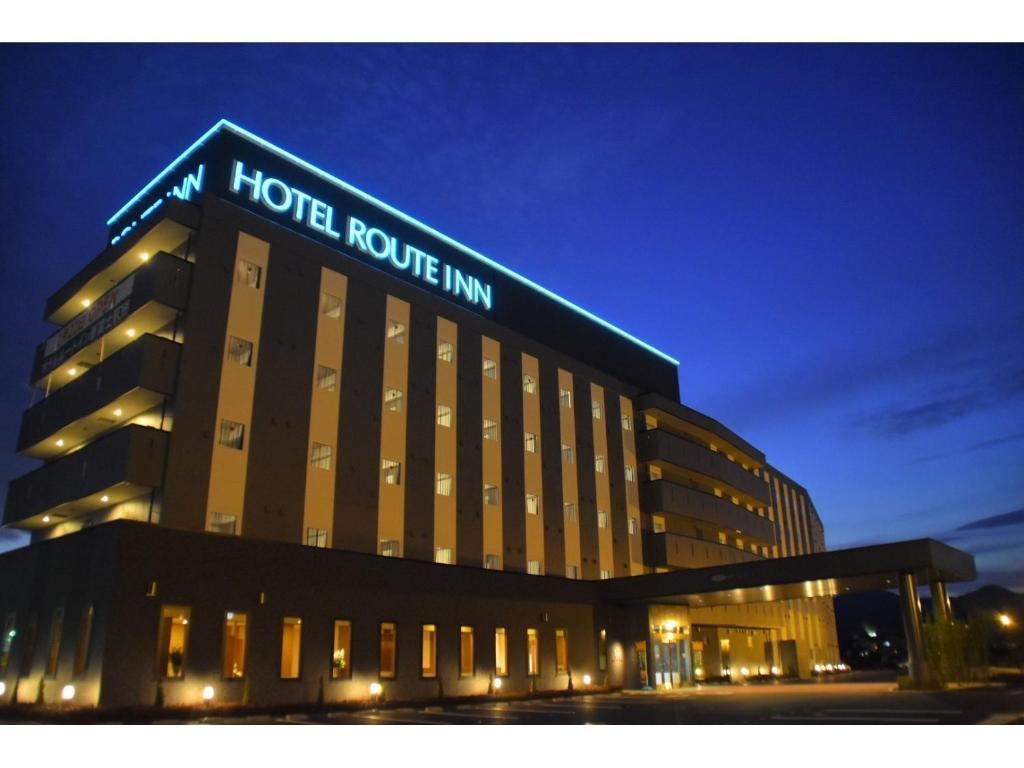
(296, 443)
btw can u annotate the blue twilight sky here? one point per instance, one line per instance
(829, 238)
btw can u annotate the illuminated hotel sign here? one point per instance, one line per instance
(190, 185)
(387, 250)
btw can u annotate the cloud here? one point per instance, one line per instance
(995, 521)
(895, 421)
(996, 441)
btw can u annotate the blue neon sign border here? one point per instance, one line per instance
(248, 135)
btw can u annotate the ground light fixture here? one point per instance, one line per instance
(207, 693)
(3, 688)
(775, 670)
(375, 689)
(586, 679)
(67, 693)
(497, 683)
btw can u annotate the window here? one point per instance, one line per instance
(235, 635)
(491, 495)
(602, 650)
(634, 526)
(595, 409)
(84, 642)
(572, 571)
(568, 454)
(500, 652)
(467, 665)
(723, 538)
(429, 656)
(602, 519)
(239, 351)
(533, 567)
(291, 647)
(443, 555)
(490, 368)
(627, 422)
(532, 504)
(570, 512)
(56, 630)
(232, 434)
(445, 351)
(739, 543)
(330, 306)
(321, 456)
(599, 464)
(248, 274)
(529, 384)
(7, 640)
(605, 573)
(173, 641)
(565, 398)
(396, 331)
(444, 484)
(393, 399)
(630, 474)
(531, 442)
(316, 537)
(657, 523)
(561, 652)
(392, 471)
(532, 653)
(444, 415)
(388, 646)
(490, 430)
(221, 523)
(341, 659)
(389, 548)
(326, 378)
(492, 562)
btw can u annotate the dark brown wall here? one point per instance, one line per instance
(469, 481)
(512, 461)
(420, 425)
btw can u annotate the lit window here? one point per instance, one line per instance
(565, 398)
(723, 538)
(739, 543)
(529, 384)
(429, 655)
(532, 505)
(599, 464)
(605, 574)
(568, 454)
(221, 523)
(595, 409)
(443, 555)
(630, 474)
(602, 519)
(396, 331)
(248, 274)
(500, 652)
(389, 548)
(388, 642)
(531, 442)
(330, 306)
(173, 641)
(84, 642)
(572, 571)
(444, 415)
(321, 456)
(232, 434)
(490, 430)
(445, 351)
(634, 526)
(392, 471)
(239, 351)
(533, 567)
(627, 422)
(326, 378)
(316, 537)
(341, 659)
(444, 484)
(602, 650)
(570, 512)
(561, 652)
(235, 625)
(490, 368)
(393, 399)
(291, 647)
(56, 629)
(492, 562)
(467, 665)
(657, 523)
(491, 495)
(532, 653)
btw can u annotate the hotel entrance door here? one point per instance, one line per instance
(672, 663)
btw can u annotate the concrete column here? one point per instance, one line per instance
(912, 627)
(940, 601)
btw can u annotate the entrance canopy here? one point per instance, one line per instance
(823, 574)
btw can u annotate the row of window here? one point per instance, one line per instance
(81, 661)
(172, 657)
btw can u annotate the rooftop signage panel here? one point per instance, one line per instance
(237, 165)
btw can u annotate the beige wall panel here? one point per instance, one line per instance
(491, 407)
(603, 492)
(570, 485)
(532, 467)
(391, 501)
(636, 550)
(445, 441)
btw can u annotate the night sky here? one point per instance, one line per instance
(830, 239)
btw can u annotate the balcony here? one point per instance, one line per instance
(106, 397)
(662, 496)
(120, 466)
(144, 302)
(713, 467)
(669, 550)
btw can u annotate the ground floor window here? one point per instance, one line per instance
(173, 641)
(602, 650)
(532, 653)
(341, 660)
(235, 637)
(467, 666)
(291, 647)
(429, 666)
(500, 652)
(561, 652)
(388, 647)
(84, 641)
(56, 630)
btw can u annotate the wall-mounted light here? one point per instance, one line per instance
(586, 679)
(208, 693)
(67, 693)
(497, 683)
(375, 689)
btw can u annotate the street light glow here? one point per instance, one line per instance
(1005, 620)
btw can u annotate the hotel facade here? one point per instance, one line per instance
(296, 444)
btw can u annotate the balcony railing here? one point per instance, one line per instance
(663, 496)
(670, 550)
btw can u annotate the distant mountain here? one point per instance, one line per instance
(990, 599)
